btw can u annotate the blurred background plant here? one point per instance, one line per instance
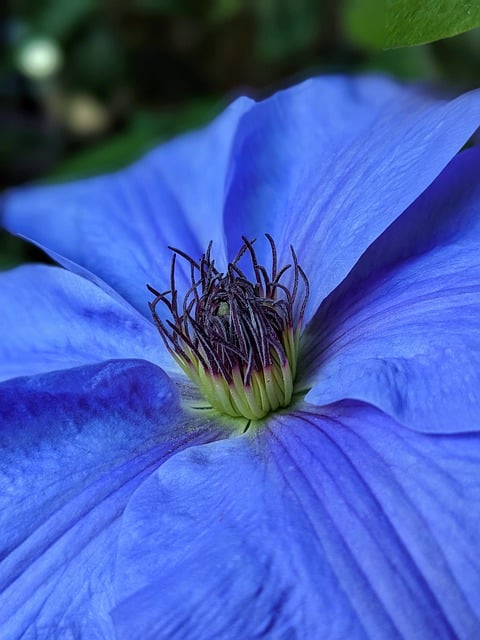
(86, 86)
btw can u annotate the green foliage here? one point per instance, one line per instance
(57, 18)
(146, 130)
(11, 253)
(398, 23)
(285, 26)
(411, 63)
(136, 72)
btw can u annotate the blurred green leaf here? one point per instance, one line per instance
(58, 18)
(222, 10)
(96, 60)
(412, 63)
(458, 58)
(285, 26)
(146, 130)
(365, 21)
(12, 251)
(399, 23)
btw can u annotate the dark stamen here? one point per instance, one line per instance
(229, 326)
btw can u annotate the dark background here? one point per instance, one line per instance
(86, 86)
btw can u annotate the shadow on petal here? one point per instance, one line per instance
(324, 524)
(74, 446)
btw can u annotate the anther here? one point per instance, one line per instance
(236, 339)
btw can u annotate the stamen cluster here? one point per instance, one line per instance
(236, 339)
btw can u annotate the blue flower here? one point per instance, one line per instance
(352, 513)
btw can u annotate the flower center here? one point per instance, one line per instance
(237, 340)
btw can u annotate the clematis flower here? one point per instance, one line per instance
(307, 464)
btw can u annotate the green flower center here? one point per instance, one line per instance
(236, 340)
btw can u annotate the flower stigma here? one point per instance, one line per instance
(237, 340)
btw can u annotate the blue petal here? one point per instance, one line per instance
(52, 319)
(74, 446)
(328, 165)
(118, 226)
(332, 525)
(403, 330)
